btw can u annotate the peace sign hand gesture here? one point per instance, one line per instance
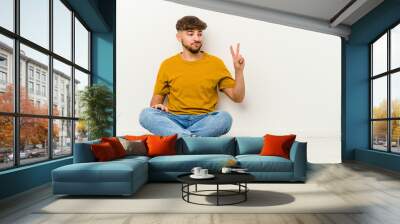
(238, 60)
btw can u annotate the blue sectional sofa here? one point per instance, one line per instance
(125, 176)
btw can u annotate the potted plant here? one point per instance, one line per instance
(96, 102)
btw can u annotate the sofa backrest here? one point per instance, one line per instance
(191, 146)
(249, 145)
(206, 145)
(184, 145)
(83, 152)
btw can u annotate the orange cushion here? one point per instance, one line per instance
(116, 145)
(161, 145)
(136, 137)
(277, 145)
(103, 151)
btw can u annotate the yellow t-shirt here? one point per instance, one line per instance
(191, 86)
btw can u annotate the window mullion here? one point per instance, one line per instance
(50, 87)
(73, 82)
(389, 104)
(16, 84)
(370, 98)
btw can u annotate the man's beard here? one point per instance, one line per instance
(191, 49)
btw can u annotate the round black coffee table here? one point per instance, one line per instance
(238, 179)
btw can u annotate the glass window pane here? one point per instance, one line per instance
(34, 78)
(62, 138)
(7, 14)
(81, 45)
(62, 89)
(395, 94)
(379, 135)
(379, 97)
(379, 55)
(35, 21)
(81, 81)
(33, 139)
(395, 136)
(62, 29)
(6, 142)
(6, 74)
(395, 47)
(81, 131)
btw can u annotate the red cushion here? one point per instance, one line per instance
(161, 145)
(116, 145)
(103, 151)
(277, 145)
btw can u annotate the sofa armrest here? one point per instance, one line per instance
(298, 155)
(83, 152)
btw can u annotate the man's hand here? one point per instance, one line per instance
(161, 107)
(237, 92)
(238, 60)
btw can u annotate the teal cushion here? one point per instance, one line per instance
(257, 163)
(249, 145)
(133, 158)
(185, 163)
(206, 145)
(111, 171)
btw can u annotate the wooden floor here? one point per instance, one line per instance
(377, 188)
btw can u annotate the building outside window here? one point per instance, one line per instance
(3, 72)
(43, 77)
(30, 72)
(55, 96)
(43, 90)
(30, 87)
(38, 89)
(37, 75)
(3, 78)
(3, 60)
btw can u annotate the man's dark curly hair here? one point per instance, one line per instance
(190, 23)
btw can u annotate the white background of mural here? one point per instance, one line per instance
(292, 76)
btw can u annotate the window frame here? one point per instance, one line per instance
(15, 72)
(3, 70)
(388, 74)
(3, 74)
(5, 59)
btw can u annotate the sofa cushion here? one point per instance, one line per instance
(131, 158)
(161, 145)
(116, 145)
(206, 145)
(249, 145)
(185, 163)
(134, 147)
(111, 171)
(137, 137)
(257, 163)
(103, 152)
(275, 145)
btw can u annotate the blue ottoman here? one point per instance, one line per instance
(119, 177)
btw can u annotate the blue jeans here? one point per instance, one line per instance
(162, 123)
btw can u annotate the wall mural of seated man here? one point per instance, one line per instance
(190, 79)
